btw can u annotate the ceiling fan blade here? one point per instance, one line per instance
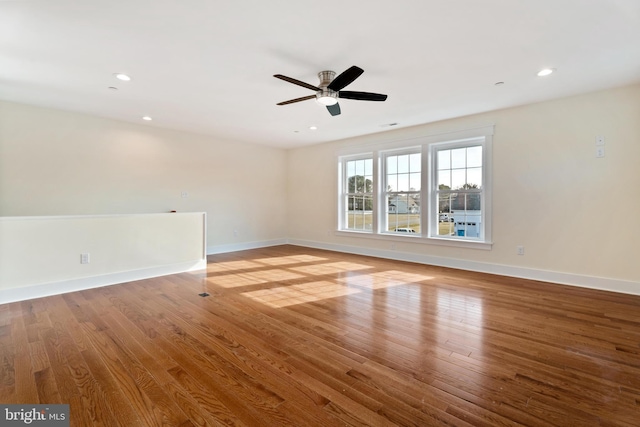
(296, 82)
(334, 109)
(345, 78)
(291, 101)
(362, 96)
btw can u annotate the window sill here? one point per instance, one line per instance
(458, 243)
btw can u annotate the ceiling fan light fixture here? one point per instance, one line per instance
(327, 96)
(327, 100)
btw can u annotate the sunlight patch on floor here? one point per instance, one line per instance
(215, 267)
(371, 281)
(287, 260)
(275, 275)
(235, 280)
(253, 278)
(331, 268)
(299, 294)
(404, 277)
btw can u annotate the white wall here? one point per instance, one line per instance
(59, 163)
(575, 214)
(41, 256)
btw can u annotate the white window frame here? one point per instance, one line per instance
(428, 198)
(383, 176)
(485, 192)
(343, 192)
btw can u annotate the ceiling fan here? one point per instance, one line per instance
(330, 89)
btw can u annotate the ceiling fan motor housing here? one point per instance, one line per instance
(326, 96)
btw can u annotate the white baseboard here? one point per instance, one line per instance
(235, 247)
(62, 287)
(591, 282)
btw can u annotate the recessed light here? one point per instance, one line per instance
(313, 127)
(498, 83)
(147, 118)
(112, 88)
(545, 72)
(121, 76)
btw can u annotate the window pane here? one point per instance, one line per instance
(457, 202)
(403, 213)
(403, 182)
(457, 179)
(414, 182)
(359, 184)
(473, 202)
(444, 159)
(403, 164)
(351, 168)
(359, 176)
(414, 162)
(359, 212)
(468, 222)
(368, 167)
(350, 203)
(444, 203)
(458, 158)
(445, 216)
(392, 183)
(474, 157)
(444, 179)
(351, 185)
(392, 164)
(474, 178)
(403, 172)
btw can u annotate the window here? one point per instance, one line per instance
(437, 191)
(457, 190)
(357, 199)
(402, 192)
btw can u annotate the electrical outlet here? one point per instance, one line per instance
(184, 194)
(84, 258)
(393, 246)
(599, 152)
(520, 250)
(599, 140)
(235, 233)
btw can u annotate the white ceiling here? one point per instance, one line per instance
(207, 66)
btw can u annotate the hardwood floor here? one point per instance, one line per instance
(303, 337)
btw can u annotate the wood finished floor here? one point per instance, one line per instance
(303, 337)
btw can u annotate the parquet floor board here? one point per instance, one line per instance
(293, 336)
